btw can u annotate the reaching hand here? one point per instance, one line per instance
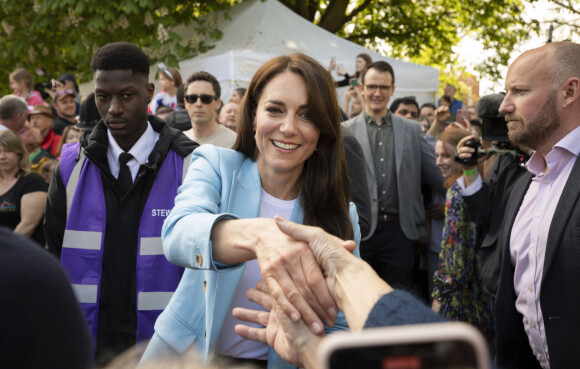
(332, 253)
(293, 341)
(442, 114)
(295, 279)
(332, 64)
(465, 152)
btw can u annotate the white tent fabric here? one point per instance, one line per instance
(257, 31)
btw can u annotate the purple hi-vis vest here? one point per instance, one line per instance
(82, 248)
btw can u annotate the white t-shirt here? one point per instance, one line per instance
(229, 343)
(163, 99)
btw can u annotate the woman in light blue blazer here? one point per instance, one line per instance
(288, 160)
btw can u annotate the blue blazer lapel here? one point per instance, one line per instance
(246, 193)
(566, 204)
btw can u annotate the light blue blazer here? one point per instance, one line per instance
(220, 184)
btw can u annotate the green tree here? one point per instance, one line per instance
(62, 35)
(424, 31)
(563, 20)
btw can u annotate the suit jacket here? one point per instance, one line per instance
(414, 159)
(487, 207)
(359, 191)
(220, 184)
(559, 289)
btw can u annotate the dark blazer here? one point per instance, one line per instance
(560, 285)
(414, 159)
(487, 206)
(359, 192)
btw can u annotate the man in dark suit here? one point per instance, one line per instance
(396, 159)
(538, 301)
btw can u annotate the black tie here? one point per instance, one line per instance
(125, 179)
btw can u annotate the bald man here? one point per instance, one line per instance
(538, 299)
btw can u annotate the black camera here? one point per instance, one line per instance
(472, 160)
(494, 128)
(42, 86)
(502, 147)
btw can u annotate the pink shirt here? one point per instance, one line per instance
(34, 98)
(530, 234)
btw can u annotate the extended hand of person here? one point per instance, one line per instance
(465, 152)
(294, 278)
(332, 253)
(332, 64)
(293, 341)
(442, 114)
(354, 284)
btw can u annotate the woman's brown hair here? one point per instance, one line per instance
(367, 59)
(324, 187)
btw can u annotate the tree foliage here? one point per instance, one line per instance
(564, 21)
(424, 30)
(62, 35)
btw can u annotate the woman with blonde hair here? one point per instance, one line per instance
(22, 193)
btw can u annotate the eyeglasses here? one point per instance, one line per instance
(373, 88)
(66, 91)
(206, 99)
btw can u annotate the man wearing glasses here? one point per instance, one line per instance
(66, 109)
(202, 101)
(397, 159)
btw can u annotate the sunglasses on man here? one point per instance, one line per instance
(65, 92)
(205, 98)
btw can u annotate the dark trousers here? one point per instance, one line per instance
(391, 255)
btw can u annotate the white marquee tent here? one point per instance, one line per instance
(257, 31)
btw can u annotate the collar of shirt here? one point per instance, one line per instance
(140, 151)
(371, 120)
(564, 149)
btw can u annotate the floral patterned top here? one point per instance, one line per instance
(457, 284)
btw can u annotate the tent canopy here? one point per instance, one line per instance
(257, 31)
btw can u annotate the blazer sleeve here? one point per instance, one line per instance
(186, 231)
(359, 191)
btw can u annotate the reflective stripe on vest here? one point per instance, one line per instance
(83, 241)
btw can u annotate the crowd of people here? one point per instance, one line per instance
(247, 228)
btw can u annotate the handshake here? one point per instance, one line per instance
(299, 302)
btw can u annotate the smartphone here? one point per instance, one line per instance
(461, 114)
(450, 345)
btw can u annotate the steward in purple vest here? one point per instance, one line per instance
(107, 233)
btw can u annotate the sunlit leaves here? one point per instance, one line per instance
(61, 35)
